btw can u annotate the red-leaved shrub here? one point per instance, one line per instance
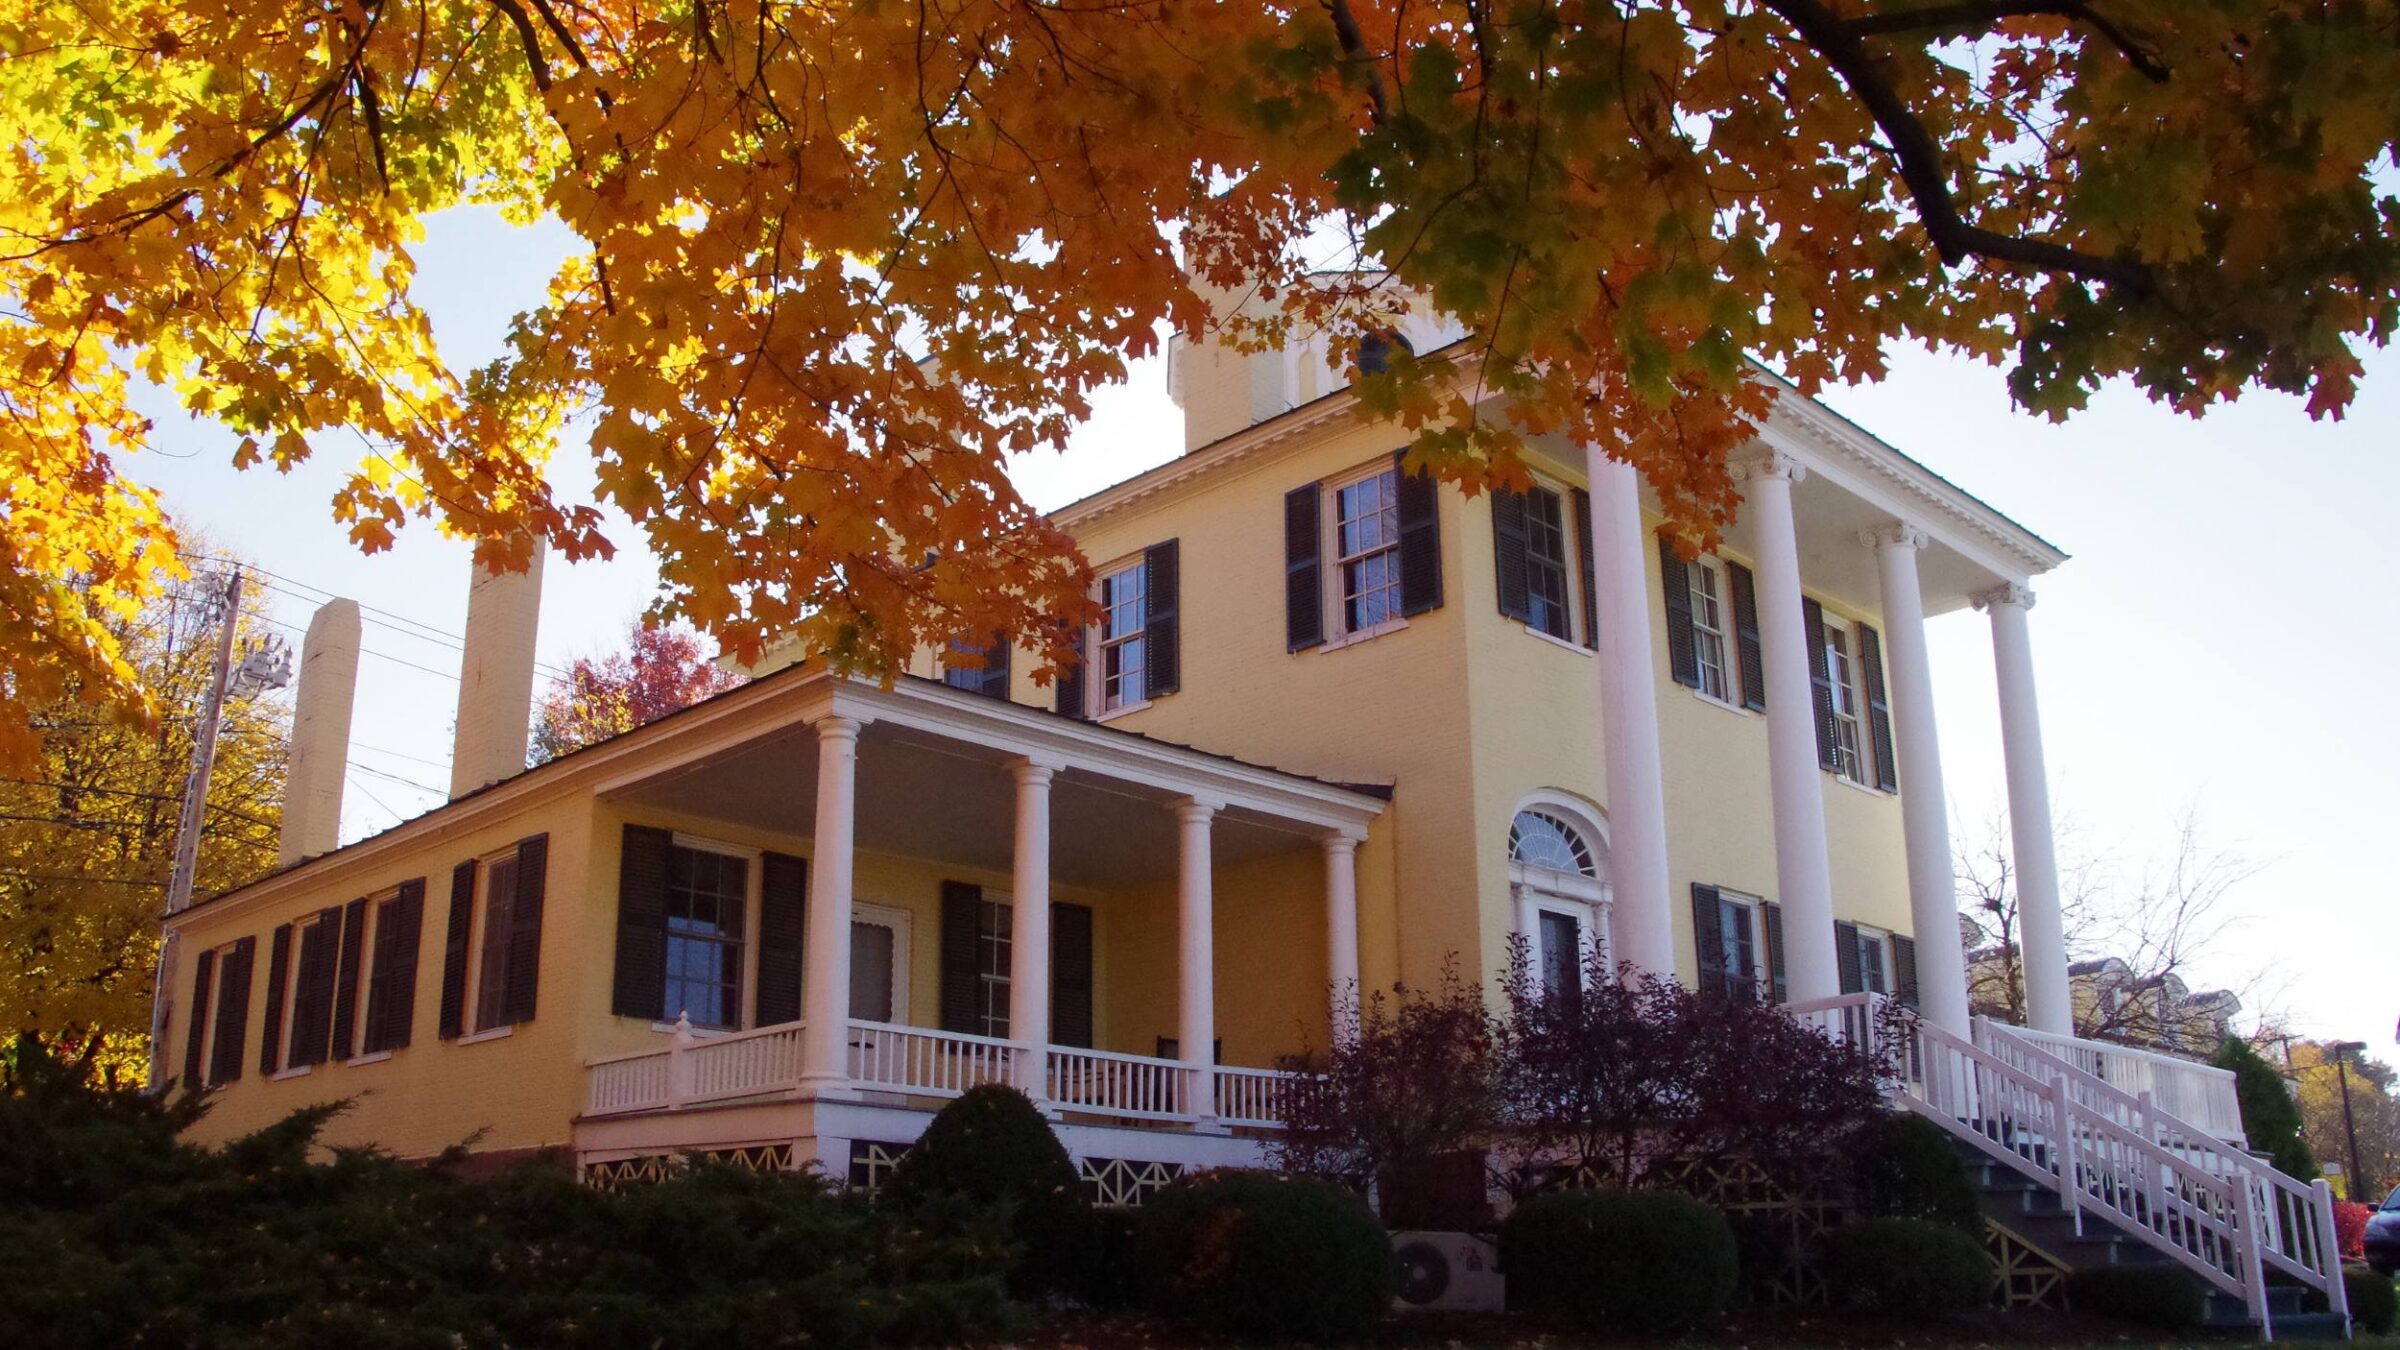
(2350, 1228)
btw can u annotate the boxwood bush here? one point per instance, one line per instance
(1267, 1255)
(1904, 1166)
(1906, 1267)
(991, 1148)
(2374, 1303)
(2159, 1296)
(1640, 1261)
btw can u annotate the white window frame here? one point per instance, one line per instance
(1760, 978)
(1570, 565)
(1718, 597)
(1849, 699)
(1333, 587)
(1539, 890)
(1096, 694)
(753, 890)
(1006, 977)
(1886, 966)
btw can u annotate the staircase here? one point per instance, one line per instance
(2095, 1175)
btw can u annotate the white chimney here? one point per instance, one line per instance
(312, 783)
(495, 678)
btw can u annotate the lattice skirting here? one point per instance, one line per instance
(1125, 1183)
(2029, 1277)
(617, 1172)
(871, 1163)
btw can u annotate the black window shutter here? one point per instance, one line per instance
(1069, 689)
(1161, 572)
(392, 999)
(1071, 975)
(1591, 575)
(279, 966)
(524, 984)
(345, 979)
(1749, 653)
(1845, 957)
(454, 951)
(195, 1032)
(782, 931)
(233, 1012)
(1420, 539)
(1879, 709)
(1812, 627)
(1904, 969)
(312, 989)
(1303, 573)
(996, 659)
(640, 989)
(962, 922)
(1675, 584)
(1508, 553)
(1779, 982)
(1708, 938)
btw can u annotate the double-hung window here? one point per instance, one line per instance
(1710, 629)
(1841, 675)
(994, 951)
(1366, 515)
(499, 915)
(1124, 626)
(1737, 949)
(708, 896)
(1549, 609)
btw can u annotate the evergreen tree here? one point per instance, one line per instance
(2270, 1115)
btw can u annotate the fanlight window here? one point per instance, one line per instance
(1539, 839)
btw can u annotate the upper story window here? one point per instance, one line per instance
(1361, 552)
(1841, 677)
(1366, 526)
(1530, 538)
(1134, 654)
(979, 670)
(1712, 628)
(1854, 716)
(1709, 630)
(708, 896)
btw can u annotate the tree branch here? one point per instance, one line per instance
(1920, 162)
(1354, 47)
(1982, 14)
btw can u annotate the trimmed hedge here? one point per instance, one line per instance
(1642, 1261)
(2159, 1296)
(1904, 1166)
(991, 1148)
(2374, 1302)
(1266, 1255)
(1907, 1267)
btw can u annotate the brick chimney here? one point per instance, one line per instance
(320, 752)
(495, 678)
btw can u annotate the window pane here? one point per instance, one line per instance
(499, 917)
(1538, 839)
(994, 950)
(872, 947)
(1546, 564)
(1366, 536)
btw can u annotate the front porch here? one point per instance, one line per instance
(967, 892)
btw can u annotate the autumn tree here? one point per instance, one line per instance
(87, 838)
(661, 669)
(2374, 1113)
(839, 260)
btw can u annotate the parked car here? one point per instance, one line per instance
(2383, 1236)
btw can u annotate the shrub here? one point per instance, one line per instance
(2159, 1296)
(1108, 1267)
(2270, 1114)
(991, 1147)
(2350, 1227)
(1267, 1255)
(1903, 1167)
(2374, 1302)
(1642, 1261)
(1907, 1267)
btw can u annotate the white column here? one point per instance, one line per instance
(1803, 874)
(1195, 987)
(2041, 924)
(1341, 932)
(1029, 930)
(1924, 806)
(1631, 766)
(825, 1048)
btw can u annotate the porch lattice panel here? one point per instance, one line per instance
(615, 1173)
(2029, 1276)
(1125, 1183)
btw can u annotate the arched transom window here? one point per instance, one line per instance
(1540, 839)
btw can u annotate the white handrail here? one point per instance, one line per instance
(1135, 1087)
(2201, 1094)
(1252, 1096)
(694, 1068)
(926, 1062)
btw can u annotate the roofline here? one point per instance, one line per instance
(814, 692)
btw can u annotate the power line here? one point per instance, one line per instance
(97, 881)
(242, 816)
(401, 623)
(402, 754)
(73, 822)
(404, 782)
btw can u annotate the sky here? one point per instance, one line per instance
(2222, 643)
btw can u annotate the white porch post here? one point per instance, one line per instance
(825, 1048)
(1029, 930)
(1802, 871)
(2041, 924)
(1643, 928)
(1196, 993)
(1341, 933)
(1924, 807)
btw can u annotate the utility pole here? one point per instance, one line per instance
(187, 830)
(2341, 1072)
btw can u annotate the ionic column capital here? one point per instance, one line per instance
(1774, 464)
(1898, 534)
(2014, 593)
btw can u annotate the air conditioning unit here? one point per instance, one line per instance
(1449, 1272)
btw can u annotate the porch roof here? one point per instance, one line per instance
(762, 725)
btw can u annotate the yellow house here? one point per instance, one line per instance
(1339, 727)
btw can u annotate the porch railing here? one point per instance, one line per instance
(925, 1062)
(2199, 1094)
(1252, 1096)
(1131, 1087)
(694, 1069)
